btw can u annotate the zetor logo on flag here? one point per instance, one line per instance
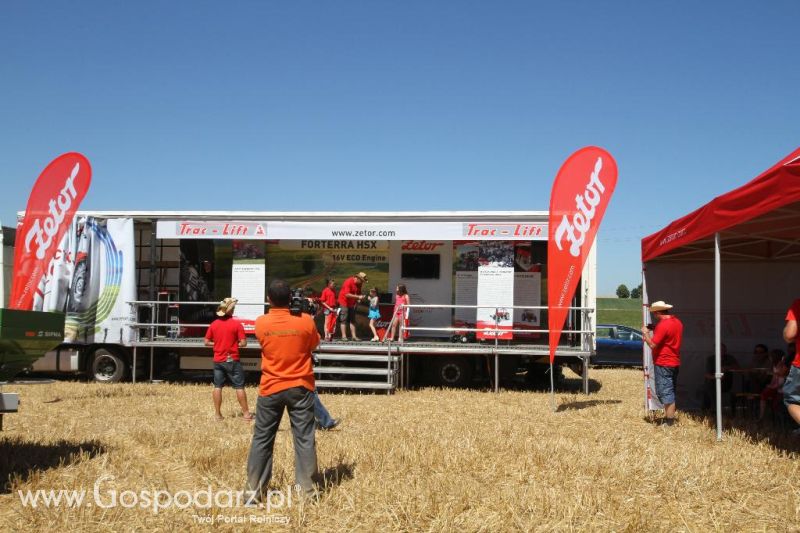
(51, 207)
(581, 192)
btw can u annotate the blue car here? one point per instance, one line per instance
(618, 345)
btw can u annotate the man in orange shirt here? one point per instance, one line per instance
(287, 382)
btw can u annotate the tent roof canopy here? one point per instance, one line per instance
(759, 220)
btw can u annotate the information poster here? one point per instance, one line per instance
(466, 294)
(465, 290)
(527, 292)
(495, 290)
(527, 289)
(248, 281)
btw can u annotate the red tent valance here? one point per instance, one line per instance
(775, 188)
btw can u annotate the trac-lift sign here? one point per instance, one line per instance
(334, 230)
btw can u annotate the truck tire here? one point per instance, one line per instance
(107, 366)
(538, 376)
(453, 371)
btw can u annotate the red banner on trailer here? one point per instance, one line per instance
(54, 199)
(578, 201)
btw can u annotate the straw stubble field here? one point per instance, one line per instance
(419, 460)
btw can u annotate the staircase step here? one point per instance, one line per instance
(353, 357)
(351, 370)
(321, 383)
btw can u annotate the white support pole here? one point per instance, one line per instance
(718, 332)
(496, 356)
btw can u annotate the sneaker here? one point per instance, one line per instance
(335, 422)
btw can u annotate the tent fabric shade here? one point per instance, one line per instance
(759, 220)
(730, 269)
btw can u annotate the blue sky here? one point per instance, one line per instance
(409, 105)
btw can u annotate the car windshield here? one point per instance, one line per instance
(604, 333)
(628, 335)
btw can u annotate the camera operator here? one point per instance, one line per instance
(349, 296)
(287, 382)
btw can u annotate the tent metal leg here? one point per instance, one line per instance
(718, 333)
(134, 365)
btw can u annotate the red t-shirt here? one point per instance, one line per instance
(667, 337)
(286, 344)
(349, 287)
(328, 297)
(226, 332)
(794, 312)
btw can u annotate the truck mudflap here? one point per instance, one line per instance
(62, 359)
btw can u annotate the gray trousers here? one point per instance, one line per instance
(299, 402)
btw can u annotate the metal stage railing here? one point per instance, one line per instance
(153, 333)
(496, 331)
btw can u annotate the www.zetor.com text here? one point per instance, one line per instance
(576, 229)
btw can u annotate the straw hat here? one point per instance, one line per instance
(226, 306)
(659, 306)
(362, 276)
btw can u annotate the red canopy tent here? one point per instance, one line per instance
(754, 231)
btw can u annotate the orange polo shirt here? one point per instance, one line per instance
(286, 344)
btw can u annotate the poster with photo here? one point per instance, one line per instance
(495, 290)
(248, 281)
(527, 289)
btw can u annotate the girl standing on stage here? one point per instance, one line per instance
(374, 313)
(400, 311)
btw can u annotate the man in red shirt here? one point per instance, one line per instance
(287, 382)
(791, 387)
(226, 336)
(328, 301)
(666, 345)
(349, 296)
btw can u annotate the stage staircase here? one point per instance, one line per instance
(357, 365)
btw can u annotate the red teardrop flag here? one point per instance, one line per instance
(578, 201)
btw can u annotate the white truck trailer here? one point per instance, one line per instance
(139, 288)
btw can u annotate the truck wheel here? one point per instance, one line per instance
(453, 371)
(538, 376)
(107, 366)
(577, 368)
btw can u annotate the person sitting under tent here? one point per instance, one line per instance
(791, 387)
